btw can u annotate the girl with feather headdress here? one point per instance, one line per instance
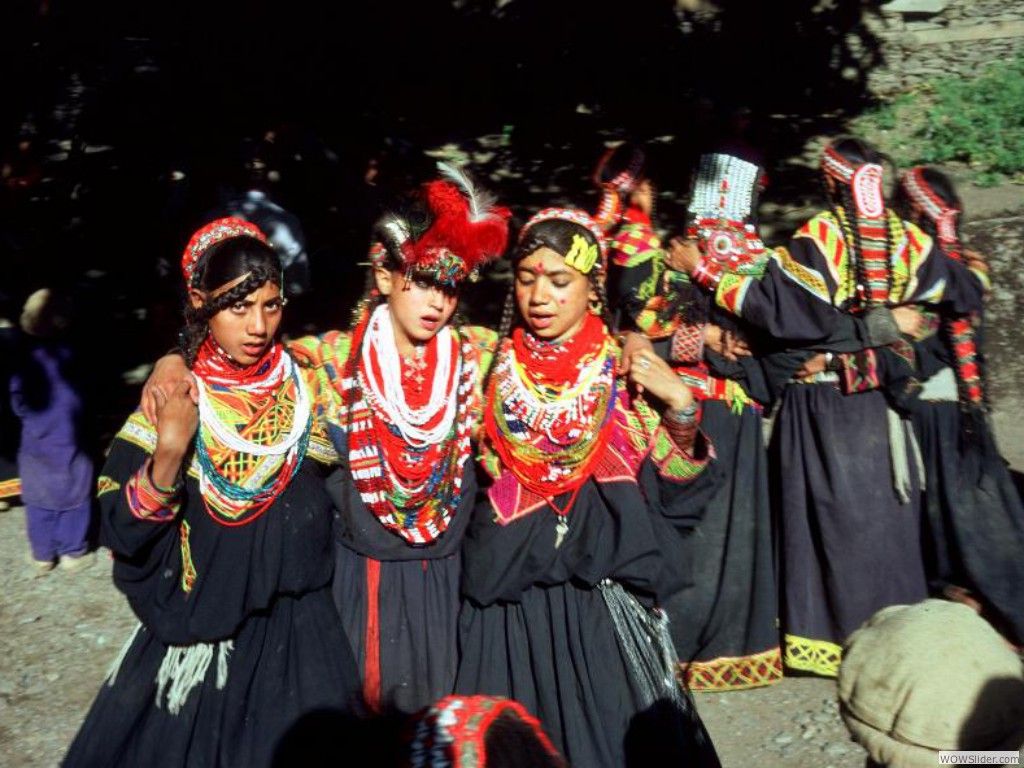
(404, 402)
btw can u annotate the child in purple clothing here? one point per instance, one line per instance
(56, 473)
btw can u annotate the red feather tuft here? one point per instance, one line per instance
(474, 242)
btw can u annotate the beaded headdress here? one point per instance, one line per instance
(864, 179)
(721, 205)
(468, 230)
(213, 233)
(926, 202)
(453, 732)
(581, 255)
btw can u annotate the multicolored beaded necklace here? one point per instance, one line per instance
(550, 406)
(409, 443)
(254, 425)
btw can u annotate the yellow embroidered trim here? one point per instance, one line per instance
(733, 673)
(817, 656)
(188, 570)
(10, 488)
(106, 485)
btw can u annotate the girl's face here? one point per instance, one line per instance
(419, 307)
(553, 298)
(247, 328)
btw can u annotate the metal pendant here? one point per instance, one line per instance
(561, 528)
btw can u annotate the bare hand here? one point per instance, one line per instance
(811, 366)
(649, 372)
(908, 319)
(683, 255)
(177, 418)
(633, 342)
(729, 344)
(168, 373)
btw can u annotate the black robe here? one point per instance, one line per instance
(974, 519)
(536, 627)
(261, 600)
(848, 544)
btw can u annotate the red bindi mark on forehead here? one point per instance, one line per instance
(538, 269)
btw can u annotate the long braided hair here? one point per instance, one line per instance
(857, 152)
(222, 263)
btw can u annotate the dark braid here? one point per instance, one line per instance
(602, 297)
(197, 318)
(508, 311)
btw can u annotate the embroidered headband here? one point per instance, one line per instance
(468, 231)
(864, 179)
(924, 200)
(581, 255)
(213, 233)
(453, 732)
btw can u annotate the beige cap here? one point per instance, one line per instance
(917, 679)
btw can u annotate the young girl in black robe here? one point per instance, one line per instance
(221, 540)
(581, 526)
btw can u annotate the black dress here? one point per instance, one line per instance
(974, 519)
(398, 602)
(538, 623)
(239, 644)
(849, 540)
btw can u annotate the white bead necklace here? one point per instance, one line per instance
(388, 396)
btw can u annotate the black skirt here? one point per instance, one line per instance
(725, 626)
(848, 546)
(288, 671)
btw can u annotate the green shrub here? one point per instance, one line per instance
(978, 121)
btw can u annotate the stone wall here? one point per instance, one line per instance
(922, 39)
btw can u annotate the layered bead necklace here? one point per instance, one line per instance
(408, 444)
(254, 425)
(550, 407)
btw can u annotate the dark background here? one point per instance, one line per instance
(125, 122)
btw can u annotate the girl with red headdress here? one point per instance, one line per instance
(219, 523)
(580, 530)
(404, 402)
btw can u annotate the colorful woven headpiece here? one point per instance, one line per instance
(721, 205)
(926, 202)
(865, 180)
(581, 256)
(213, 233)
(468, 231)
(453, 732)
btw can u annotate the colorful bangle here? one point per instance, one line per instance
(707, 273)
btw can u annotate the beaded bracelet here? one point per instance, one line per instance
(147, 500)
(707, 273)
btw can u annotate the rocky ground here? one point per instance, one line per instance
(60, 632)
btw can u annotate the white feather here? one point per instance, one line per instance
(480, 201)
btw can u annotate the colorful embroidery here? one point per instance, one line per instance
(817, 656)
(106, 484)
(188, 569)
(860, 371)
(733, 673)
(731, 291)
(633, 244)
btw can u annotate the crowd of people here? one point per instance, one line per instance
(534, 539)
